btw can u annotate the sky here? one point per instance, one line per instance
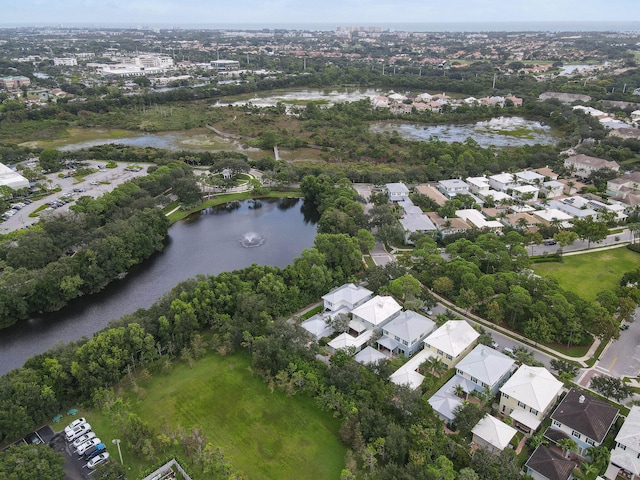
(338, 12)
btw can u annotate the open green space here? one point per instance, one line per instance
(263, 434)
(586, 274)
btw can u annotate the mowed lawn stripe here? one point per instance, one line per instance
(262, 434)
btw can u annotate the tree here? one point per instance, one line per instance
(31, 461)
(366, 240)
(590, 230)
(405, 287)
(50, 159)
(339, 323)
(565, 238)
(467, 415)
(566, 444)
(467, 473)
(610, 387)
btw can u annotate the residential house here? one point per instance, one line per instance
(584, 165)
(475, 218)
(433, 193)
(405, 333)
(549, 464)
(348, 296)
(451, 188)
(416, 223)
(530, 177)
(408, 373)
(369, 355)
(486, 368)
(547, 173)
(553, 215)
(553, 189)
(503, 181)
(397, 191)
(528, 396)
(450, 396)
(478, 185)
(448, 226)
(567, 206)
(492, 434)
(583, 418)
(376, 312)
(347, 340)
(318, 327)
(452, 341)
(625, 456)
(526, 193)
(625, 189)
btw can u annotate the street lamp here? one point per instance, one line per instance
(116, 441)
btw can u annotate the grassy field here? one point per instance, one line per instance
(263, 434)
(588, 273)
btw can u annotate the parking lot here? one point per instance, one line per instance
(94, 185)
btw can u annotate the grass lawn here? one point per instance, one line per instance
(586, 274)
(262, 434)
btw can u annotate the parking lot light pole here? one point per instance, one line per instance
(116, 441)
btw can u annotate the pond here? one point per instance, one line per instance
(226, 238)
(499, 132)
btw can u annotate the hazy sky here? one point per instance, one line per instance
(358, 12)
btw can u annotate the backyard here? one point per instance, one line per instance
(586, 274)
(263, 434)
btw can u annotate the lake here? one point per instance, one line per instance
(269, 232)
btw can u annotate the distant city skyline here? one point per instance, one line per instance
(306, 12)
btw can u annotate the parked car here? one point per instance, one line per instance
(82, 439)
(495, 345)
(33, 438)
(88, 446)
(508, 351)
(95, 450)
(97, 460)
(624, 326)
(77, 422)
(548, 243)
(78, 431)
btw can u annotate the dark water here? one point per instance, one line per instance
(207, 243)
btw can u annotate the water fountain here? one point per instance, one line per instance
(251, 240)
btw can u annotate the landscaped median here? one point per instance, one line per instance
(261, 433)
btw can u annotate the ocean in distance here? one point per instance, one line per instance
(565, 26)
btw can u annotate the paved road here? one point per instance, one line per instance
(622, 358)
(114, 177)
(624, 236)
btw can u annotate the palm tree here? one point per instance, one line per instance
(599, 456)
(435, 366)
(566, 444)
(460, 391)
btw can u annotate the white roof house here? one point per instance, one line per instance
(502, 181)
(529, 394)
(11, 178)
(626, 454)
(344, 341)
(348, 295)
(317, 327)
(478, 185)
(397, 191)
(445, 400)
(521, 190)
(485, 366)
(493, 434)
(551, 214)
(412, 223)
(475, 218)
(452, 341)
(407, 374)
(377, 311)
(369, 355)
(553, 188)
(529, 176)
(408, 329)
(453, 187)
